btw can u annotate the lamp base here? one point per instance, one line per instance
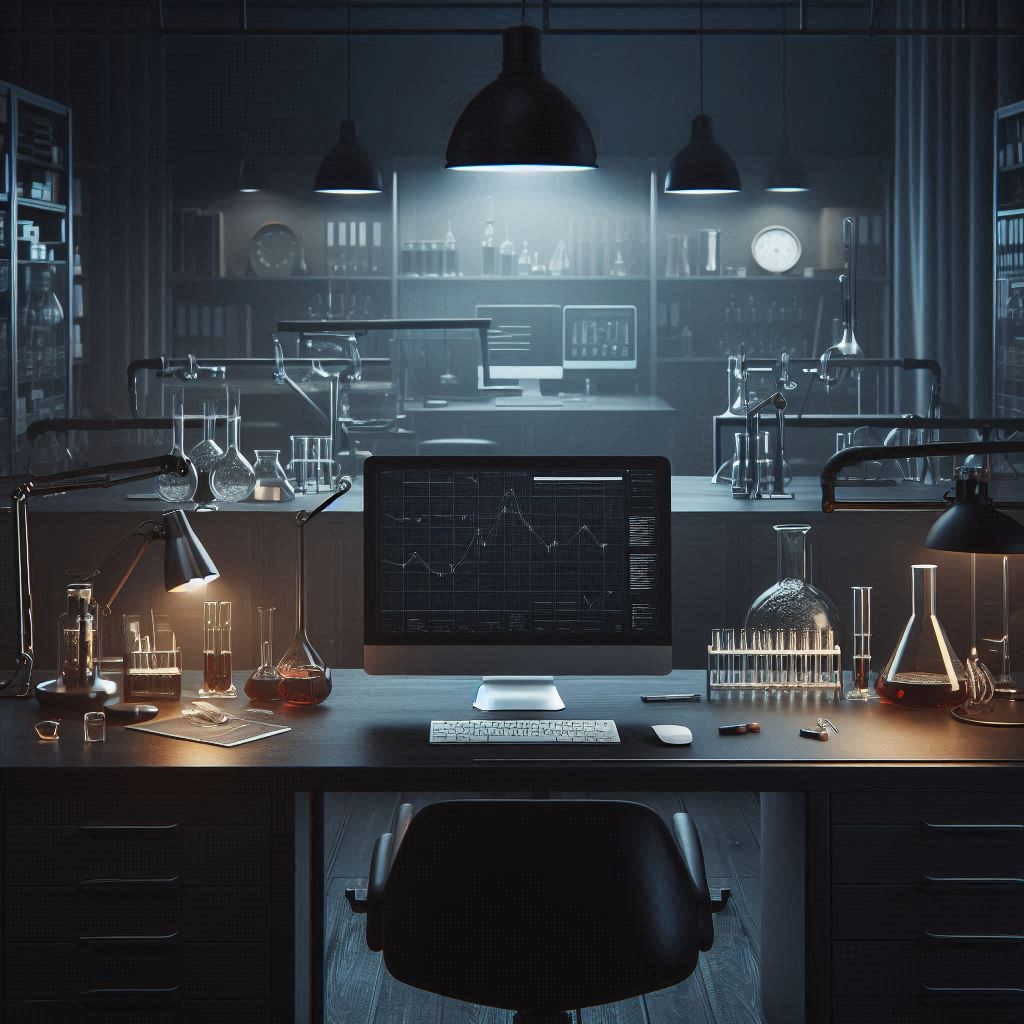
(1005, 713)
(52, 695)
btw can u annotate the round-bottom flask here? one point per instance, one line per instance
(232, 477)
(170, 486)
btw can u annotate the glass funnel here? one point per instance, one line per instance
(302, 660)
(793, 603)
(232, 477)
(923, 671)
(272, 483)
(170, 486)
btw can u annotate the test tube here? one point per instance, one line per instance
(805, 658)
(780, 647)
(729, 642)
(715, 656)
(791, 646)
(743, 673)
(861, 644)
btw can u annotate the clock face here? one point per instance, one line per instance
(775, 249)
(273, 250)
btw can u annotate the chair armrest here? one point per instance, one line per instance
(385, 849)
(688, 840)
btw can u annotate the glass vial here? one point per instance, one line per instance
(75, 639)
(263, 683)
(861, 645)
(489, 255)
(923, 671)
(232, 477)
(94, 726)
(170, 486)
(507, 255)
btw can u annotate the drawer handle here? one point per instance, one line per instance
(106, 829)
(130, 997)
(946, 937)
(973, 993)
(967, 880)
(121, 941)
(973, 828)
(131, 886)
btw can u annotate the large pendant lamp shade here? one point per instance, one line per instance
(348, 169)
(702, 167)
(521, 122)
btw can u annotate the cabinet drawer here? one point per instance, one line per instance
(87, 807)
(914, 808)
(114, 1011)
(912, 853)
(232, 855)
(64, 913)
(177, 970)
(975, 1009)
(914, 969)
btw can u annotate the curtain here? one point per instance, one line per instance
(946, 92)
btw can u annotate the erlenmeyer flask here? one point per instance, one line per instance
(302, 661)
(793, 602)
(232, 477)
(170, 486)
(923, 671)
(272, 483)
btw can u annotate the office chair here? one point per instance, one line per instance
(537, 906)
(458, 446)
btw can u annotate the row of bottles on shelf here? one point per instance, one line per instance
(1010, 245)
(768, 311)
(354, 247)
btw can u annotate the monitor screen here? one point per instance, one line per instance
(516, 552)
(524, 342)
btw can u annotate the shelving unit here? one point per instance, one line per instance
(1008, 261)
(35, 293)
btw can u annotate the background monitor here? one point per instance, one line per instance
(524, 343)
(517, 567)
(599, 337)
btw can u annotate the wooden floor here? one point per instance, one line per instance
(724, 990)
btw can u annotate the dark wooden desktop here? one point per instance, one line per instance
(856, 855)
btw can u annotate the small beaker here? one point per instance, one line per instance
(94, 726)
(272, 482)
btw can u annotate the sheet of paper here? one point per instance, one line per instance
(231, 734)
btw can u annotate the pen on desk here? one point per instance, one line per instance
(670, 698)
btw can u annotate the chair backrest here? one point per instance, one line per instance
(539, 904)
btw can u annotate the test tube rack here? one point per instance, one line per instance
(761, 665)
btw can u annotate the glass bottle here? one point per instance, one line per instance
(793, 602)
(272, 483)
(170, 486)
(302, 661)
(263, 683)
(923, 671)
(489, 261)
(451, 254)
(523, 266)
(75, 639)
(232, 477)
(507, 255)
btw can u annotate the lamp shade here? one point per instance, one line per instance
(973, 524)
(348, 169)
(787, 172)
(186, 561)
(702, 167)
(521, 122)
(249, 177)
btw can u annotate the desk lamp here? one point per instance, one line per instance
(971, 524)
(185, 561)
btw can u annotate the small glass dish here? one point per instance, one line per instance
(49, 730)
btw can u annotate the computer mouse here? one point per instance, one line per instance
(676, 735)
(131, 712)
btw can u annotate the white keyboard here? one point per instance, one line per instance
(535, 730)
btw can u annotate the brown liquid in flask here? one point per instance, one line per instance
(306, 684)
(923, 671)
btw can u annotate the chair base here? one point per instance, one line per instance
(542, 1017)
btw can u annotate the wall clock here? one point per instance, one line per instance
(776, 249)
(274, 250)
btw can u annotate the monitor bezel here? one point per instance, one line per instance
(583, 464)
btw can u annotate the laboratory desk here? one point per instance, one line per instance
(152, 872)
(581, 425)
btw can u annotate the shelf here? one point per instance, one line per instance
(1013, 212)
(825, 277)
(42, 263)
(720, 360)
(292, 279)
(498, 278)
(45, 165)
(41, 204)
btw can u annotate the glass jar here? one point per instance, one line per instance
(793, 603)
(170, 486)
(272, 483)
(232, 477)
(923, 671)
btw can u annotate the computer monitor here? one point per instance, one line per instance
(517, 568)
(599, 337)
(524, 344)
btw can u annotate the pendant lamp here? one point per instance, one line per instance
(787, 172)
(348, 169)
(521, 122)
(249, 177)
(702, 167)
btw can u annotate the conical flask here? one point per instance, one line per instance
(302, 660)
(793, 603)
(923, 671)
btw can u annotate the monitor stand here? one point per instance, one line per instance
(518, 693)
(531, 395)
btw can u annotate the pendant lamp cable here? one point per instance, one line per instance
(785, 120)
(348, 61)
(524, 12)
(700, 39)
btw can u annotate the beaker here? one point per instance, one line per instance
(263, 683)
(272, 483)
(793, 602)
(923, 671)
